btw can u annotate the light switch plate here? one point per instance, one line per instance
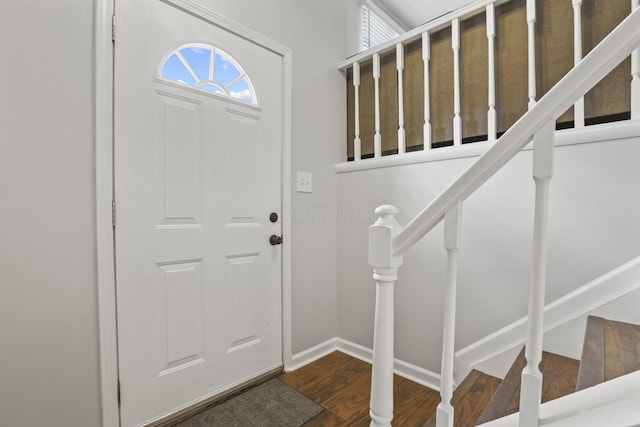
(303, 182)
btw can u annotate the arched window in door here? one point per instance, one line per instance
(209, 69)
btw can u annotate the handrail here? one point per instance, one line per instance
(594, 67)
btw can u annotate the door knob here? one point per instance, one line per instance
(275, 240)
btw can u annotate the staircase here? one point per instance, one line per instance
(611, 349)
(389, 241)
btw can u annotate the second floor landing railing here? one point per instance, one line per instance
(389, 241)
(469, 75)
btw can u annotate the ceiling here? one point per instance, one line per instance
(413, 13)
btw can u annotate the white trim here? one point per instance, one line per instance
(104, 189)
(404, 369)
(312, 354)
(580, 302)
(586, 135)
(287, 316)
(193, 8)
(108, 352)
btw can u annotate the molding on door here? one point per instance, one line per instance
(201, 12)
(287, 99)
(104, 230)
(104, 189)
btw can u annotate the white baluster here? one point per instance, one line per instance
(357, 144)
(400, 66)
(455, 44)
(426, 56)
(635, 74)
(452, 228)
(491, 35)
(385, 271)
(578, 107)
(531, 21)
(531, 389)
(377, 138)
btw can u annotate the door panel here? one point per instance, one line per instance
(196, 176)
(182, 144)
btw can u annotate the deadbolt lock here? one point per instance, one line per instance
(275, 240)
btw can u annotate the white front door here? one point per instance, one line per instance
(198, 149)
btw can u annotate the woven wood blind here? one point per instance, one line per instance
(612, 95)
(474, 76)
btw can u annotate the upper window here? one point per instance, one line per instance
(209, 69)
(377, 26)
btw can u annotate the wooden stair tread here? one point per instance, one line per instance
(499, 404)
(559, 379)
(592, 367)
(611, 349)
(469, 398)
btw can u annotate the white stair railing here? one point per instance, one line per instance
(388, 241)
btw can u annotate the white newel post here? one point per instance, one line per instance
(385, 269)
(635, 74)
(531, 389)
(452, 227)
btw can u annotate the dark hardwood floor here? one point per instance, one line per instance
(341, 385)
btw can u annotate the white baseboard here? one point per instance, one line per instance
(580, 302)
(312, 354)
(406, 370)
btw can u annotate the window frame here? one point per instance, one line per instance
(391, 24)
(215, 51)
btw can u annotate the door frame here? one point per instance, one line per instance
(104, 121)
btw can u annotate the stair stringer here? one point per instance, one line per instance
(494, 353)
(612, 403)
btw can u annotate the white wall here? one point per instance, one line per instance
(48, 314)
(418, 13)
(315, 31)
(593, 229)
